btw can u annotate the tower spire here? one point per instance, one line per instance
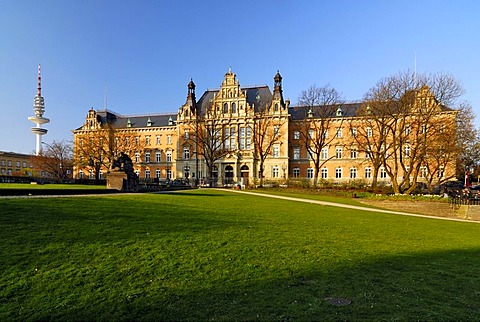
(39, 87)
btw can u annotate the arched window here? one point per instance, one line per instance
(275, 108)
(225, 108)
(234, 108)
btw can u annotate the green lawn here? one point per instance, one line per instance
(217, 255)
(49, 186)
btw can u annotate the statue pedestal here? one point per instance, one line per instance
(115, 180)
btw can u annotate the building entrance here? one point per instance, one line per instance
(244, 173)
(228, 174)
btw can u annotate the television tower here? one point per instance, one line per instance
(38, 119)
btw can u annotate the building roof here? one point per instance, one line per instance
(256, 96)
(300, 112)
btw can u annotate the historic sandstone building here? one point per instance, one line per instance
(242, 134)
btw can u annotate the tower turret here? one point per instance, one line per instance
(38, 119)
(277, 88)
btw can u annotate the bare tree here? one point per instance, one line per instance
(322, 107)
(468, 140)
(56, 159)
(210, 137)
(98, 148)
(409, 117)
(267, 131)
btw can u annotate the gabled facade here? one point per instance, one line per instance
(250, 134)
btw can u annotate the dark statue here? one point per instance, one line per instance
(125, 164)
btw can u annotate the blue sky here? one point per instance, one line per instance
(145, 52)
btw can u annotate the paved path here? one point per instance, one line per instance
(334, 204)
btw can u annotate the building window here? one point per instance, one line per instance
(338, 133)
(296, 172)
(441, 172)
(230, 138)
(186, 153)
(147, 174)
(169, 174)
(383, 173)
(234, 108)
(137, 172)
(324, 173)
(137, 140)
(275, 108)
(296, 153)
(9, 163)
(276, 151)
(407, 150)
(245, 138)
(338, 152)
(354, 131)
(169, 156)
(368, 173)
(137, 157)
(368, 153)
(276, 130)
(158, 156)
(275, 172)
(147, 140)
(158, 140)
(368, 131)
(80, 174)
(408, 130)
(186, 135)
(324, 153)
(353, 173)
(157, 173)
(91, 175)
(225, 108)
(169, 139)
(310, 173)
(296, 135)
(3, 162)
(338, 173)
(353, 153)
(24, 164)
(423, 172)
(147, 157)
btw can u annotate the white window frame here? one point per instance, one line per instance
(338, 173)
(296, 172)
(324, 172)
(310, 173)
(368, 173)
(296, 153)
(353, 173)
(339, 152)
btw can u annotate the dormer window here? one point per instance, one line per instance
(275, 108)
(129, 123)
(310, 113)
(339, 111)
(149, 122)
(170, 121)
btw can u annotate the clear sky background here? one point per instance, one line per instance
(144, 52)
